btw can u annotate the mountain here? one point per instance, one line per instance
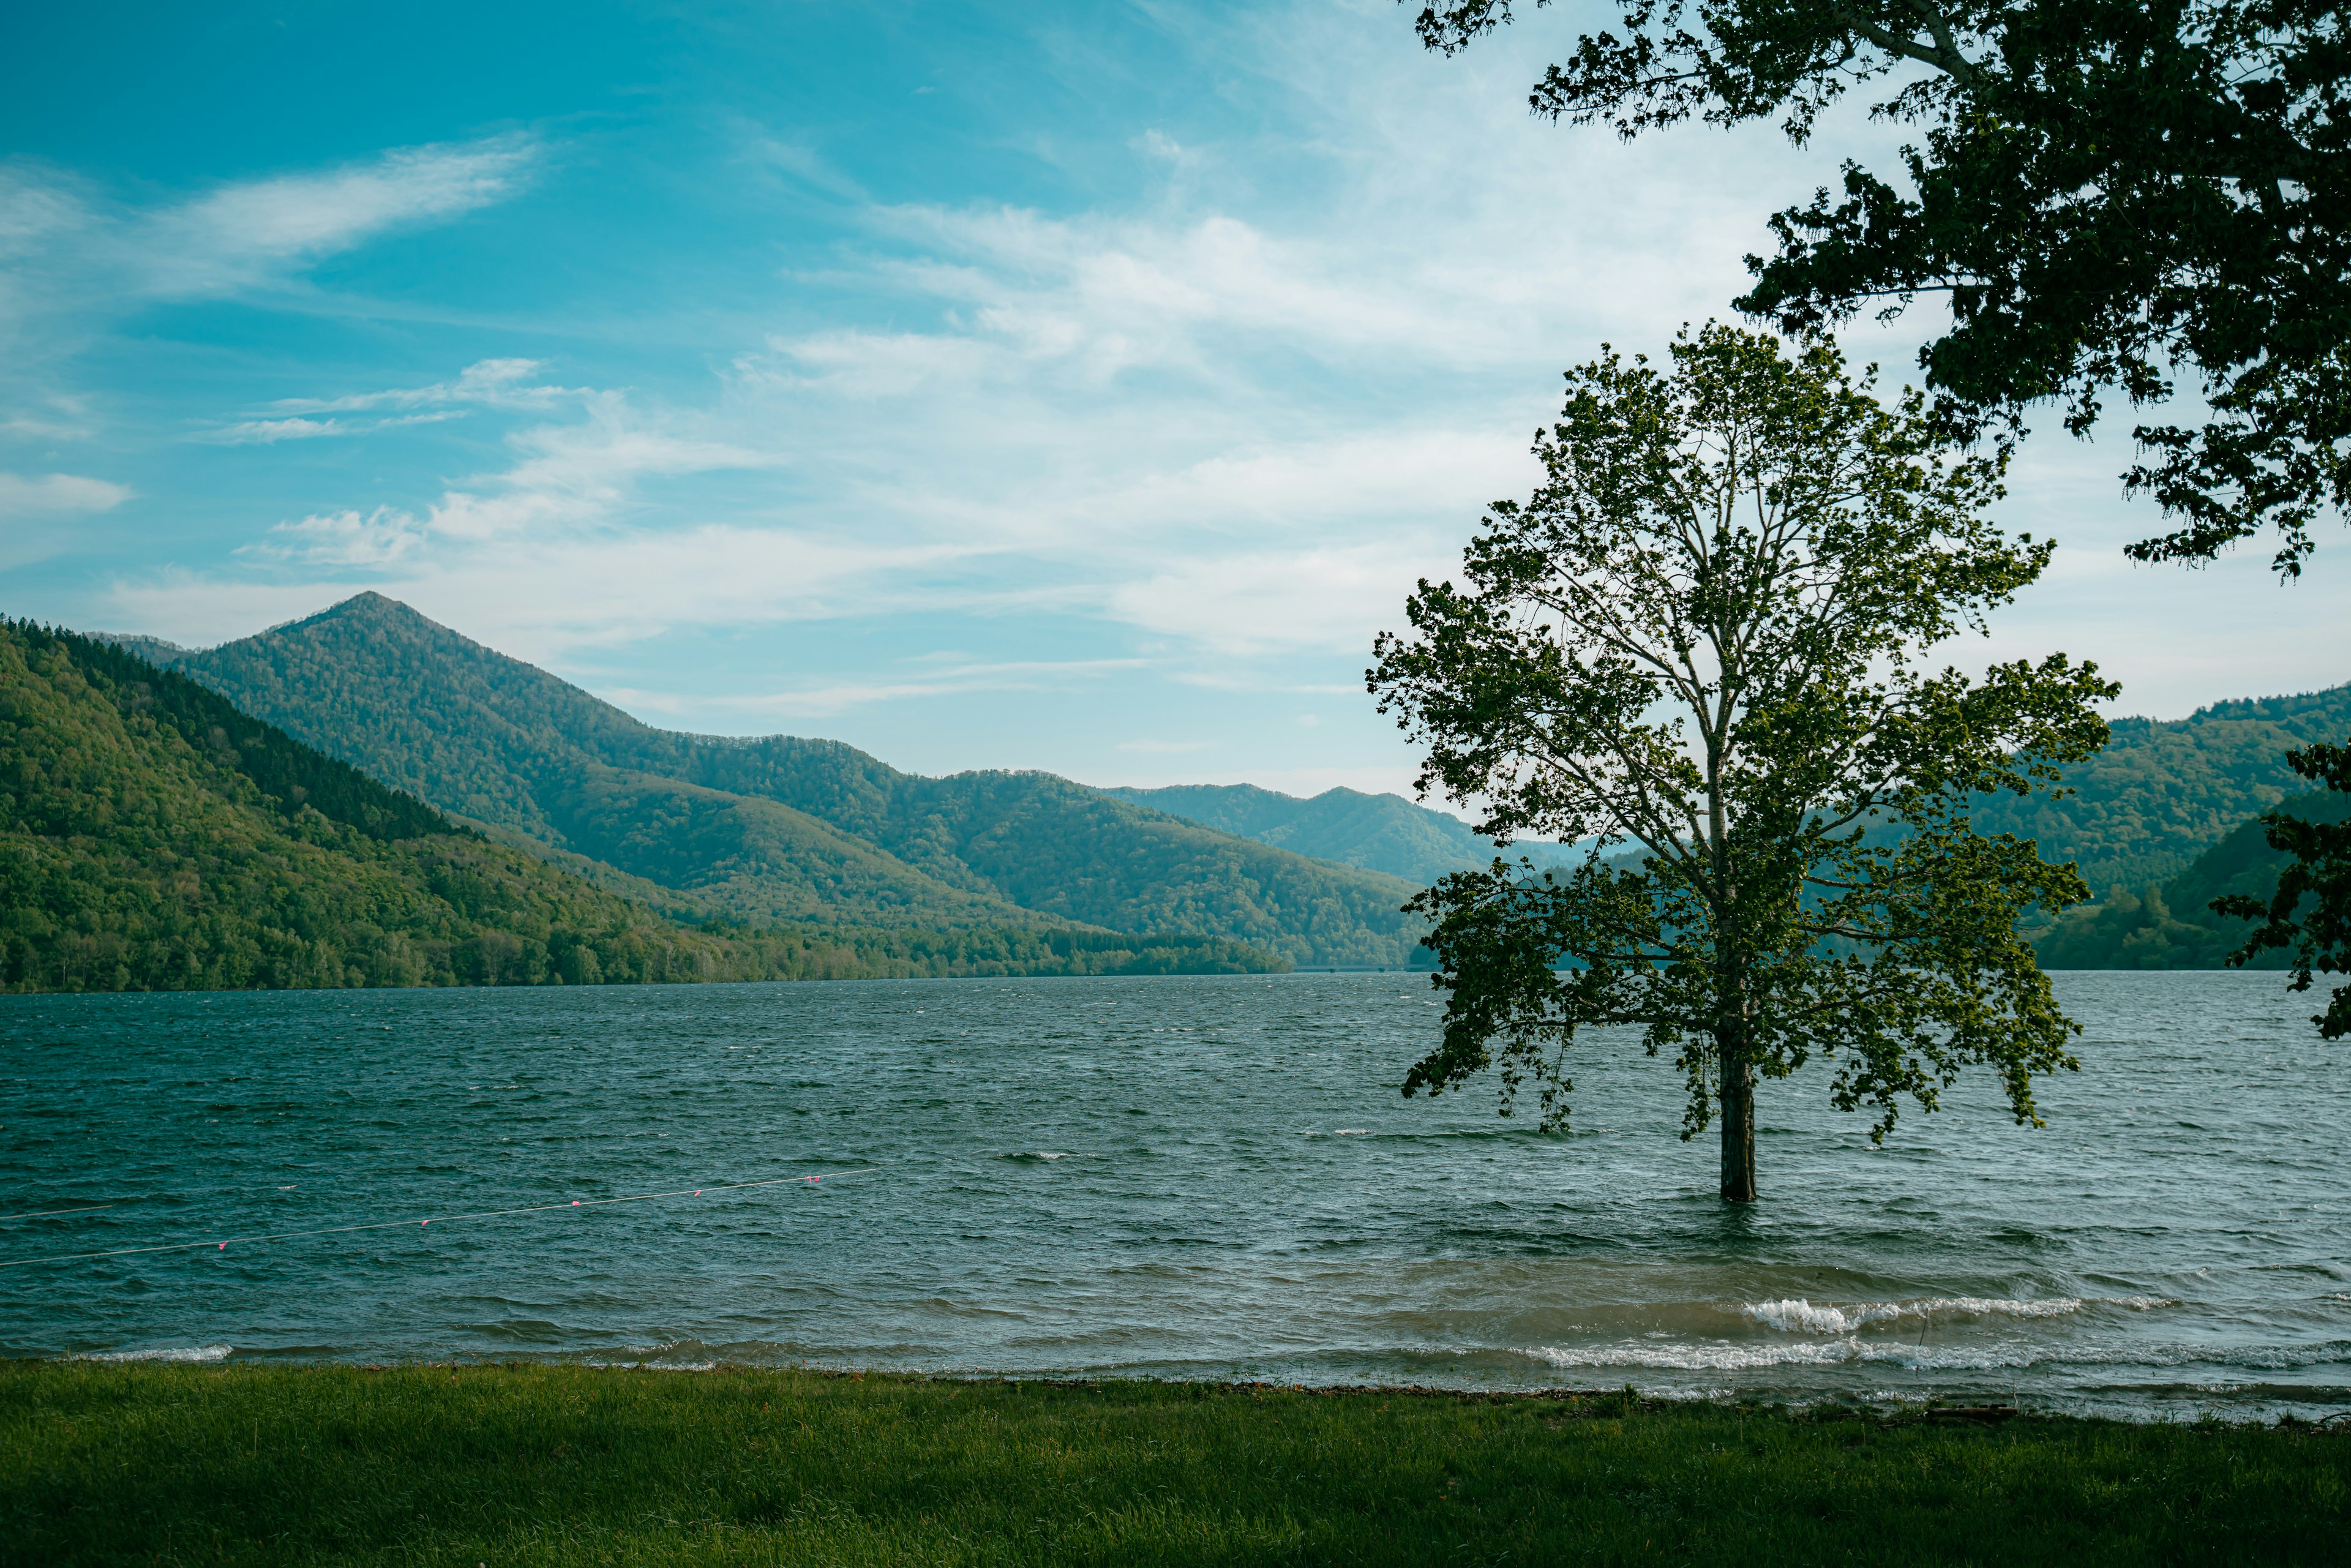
(153, 837)
(2173, 926)
(2162, 792)
(1376, 832)
(778, 828)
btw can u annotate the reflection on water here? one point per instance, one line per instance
(1163, 1177)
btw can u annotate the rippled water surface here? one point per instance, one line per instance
(1164, 1178)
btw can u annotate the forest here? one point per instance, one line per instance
(153, 837)
(158, 836)
(779, 828)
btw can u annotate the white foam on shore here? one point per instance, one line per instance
(1824, 1335)
(1796, 1315)
(1800, 1316)
(195, 1353)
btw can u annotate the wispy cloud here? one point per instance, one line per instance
(1213, 416)
(266, 432)
(504, 383)
(938, 677)
(1229, 416)
(239, 233)
(51, 495)
(348, 538)
(74, 256)
(63, 238)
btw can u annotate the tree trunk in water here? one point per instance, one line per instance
(1737, 1129)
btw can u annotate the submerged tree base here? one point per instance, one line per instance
(153, 1463)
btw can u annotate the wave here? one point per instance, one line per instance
(1723, 1355)
(1796, 1315)
(195, 1353)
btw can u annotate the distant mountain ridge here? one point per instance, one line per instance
(783, 829)
(154, 837)
(1376, 832)
(2172, 927)
(2164, 790)
(2161, 794)
(778, 828)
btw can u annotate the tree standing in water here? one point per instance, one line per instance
(1703, 638)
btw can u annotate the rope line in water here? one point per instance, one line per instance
(54, 1213)
(444, 1219)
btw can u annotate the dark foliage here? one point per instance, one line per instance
(289, 775)
(2108, 196)
(2162, 793)
(2309, 911)
(1707, 634)
(2174, 926)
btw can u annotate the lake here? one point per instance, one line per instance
(1163, 1178)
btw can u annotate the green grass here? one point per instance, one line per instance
(566, 1465)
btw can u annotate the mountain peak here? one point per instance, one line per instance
(370, 605)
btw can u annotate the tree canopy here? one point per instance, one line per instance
(1703, 636)
(2109, 196)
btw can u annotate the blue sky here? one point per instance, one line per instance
(1076, 387)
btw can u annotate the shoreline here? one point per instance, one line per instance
(445, 1462)
(1989, 1402)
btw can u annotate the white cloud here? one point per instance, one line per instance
(502, 384)
(1331, 597)
(54, 494)
(495, 382)
(344, 538)
(266, 432)
(34, 212)
(1238, 414)
(828, 699)
(74, 257)
(28, 429)
(239, 233)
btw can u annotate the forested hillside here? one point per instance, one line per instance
(1378, 832)
(2172, 927)
(2163, 792)
(153, 837)
(2160, 793)
(779, 827)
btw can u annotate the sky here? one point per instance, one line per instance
(988, 385)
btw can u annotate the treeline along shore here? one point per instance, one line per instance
(528, 1464)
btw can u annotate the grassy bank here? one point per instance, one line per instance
(545, 1465)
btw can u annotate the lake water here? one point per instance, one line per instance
(1183, 1177)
